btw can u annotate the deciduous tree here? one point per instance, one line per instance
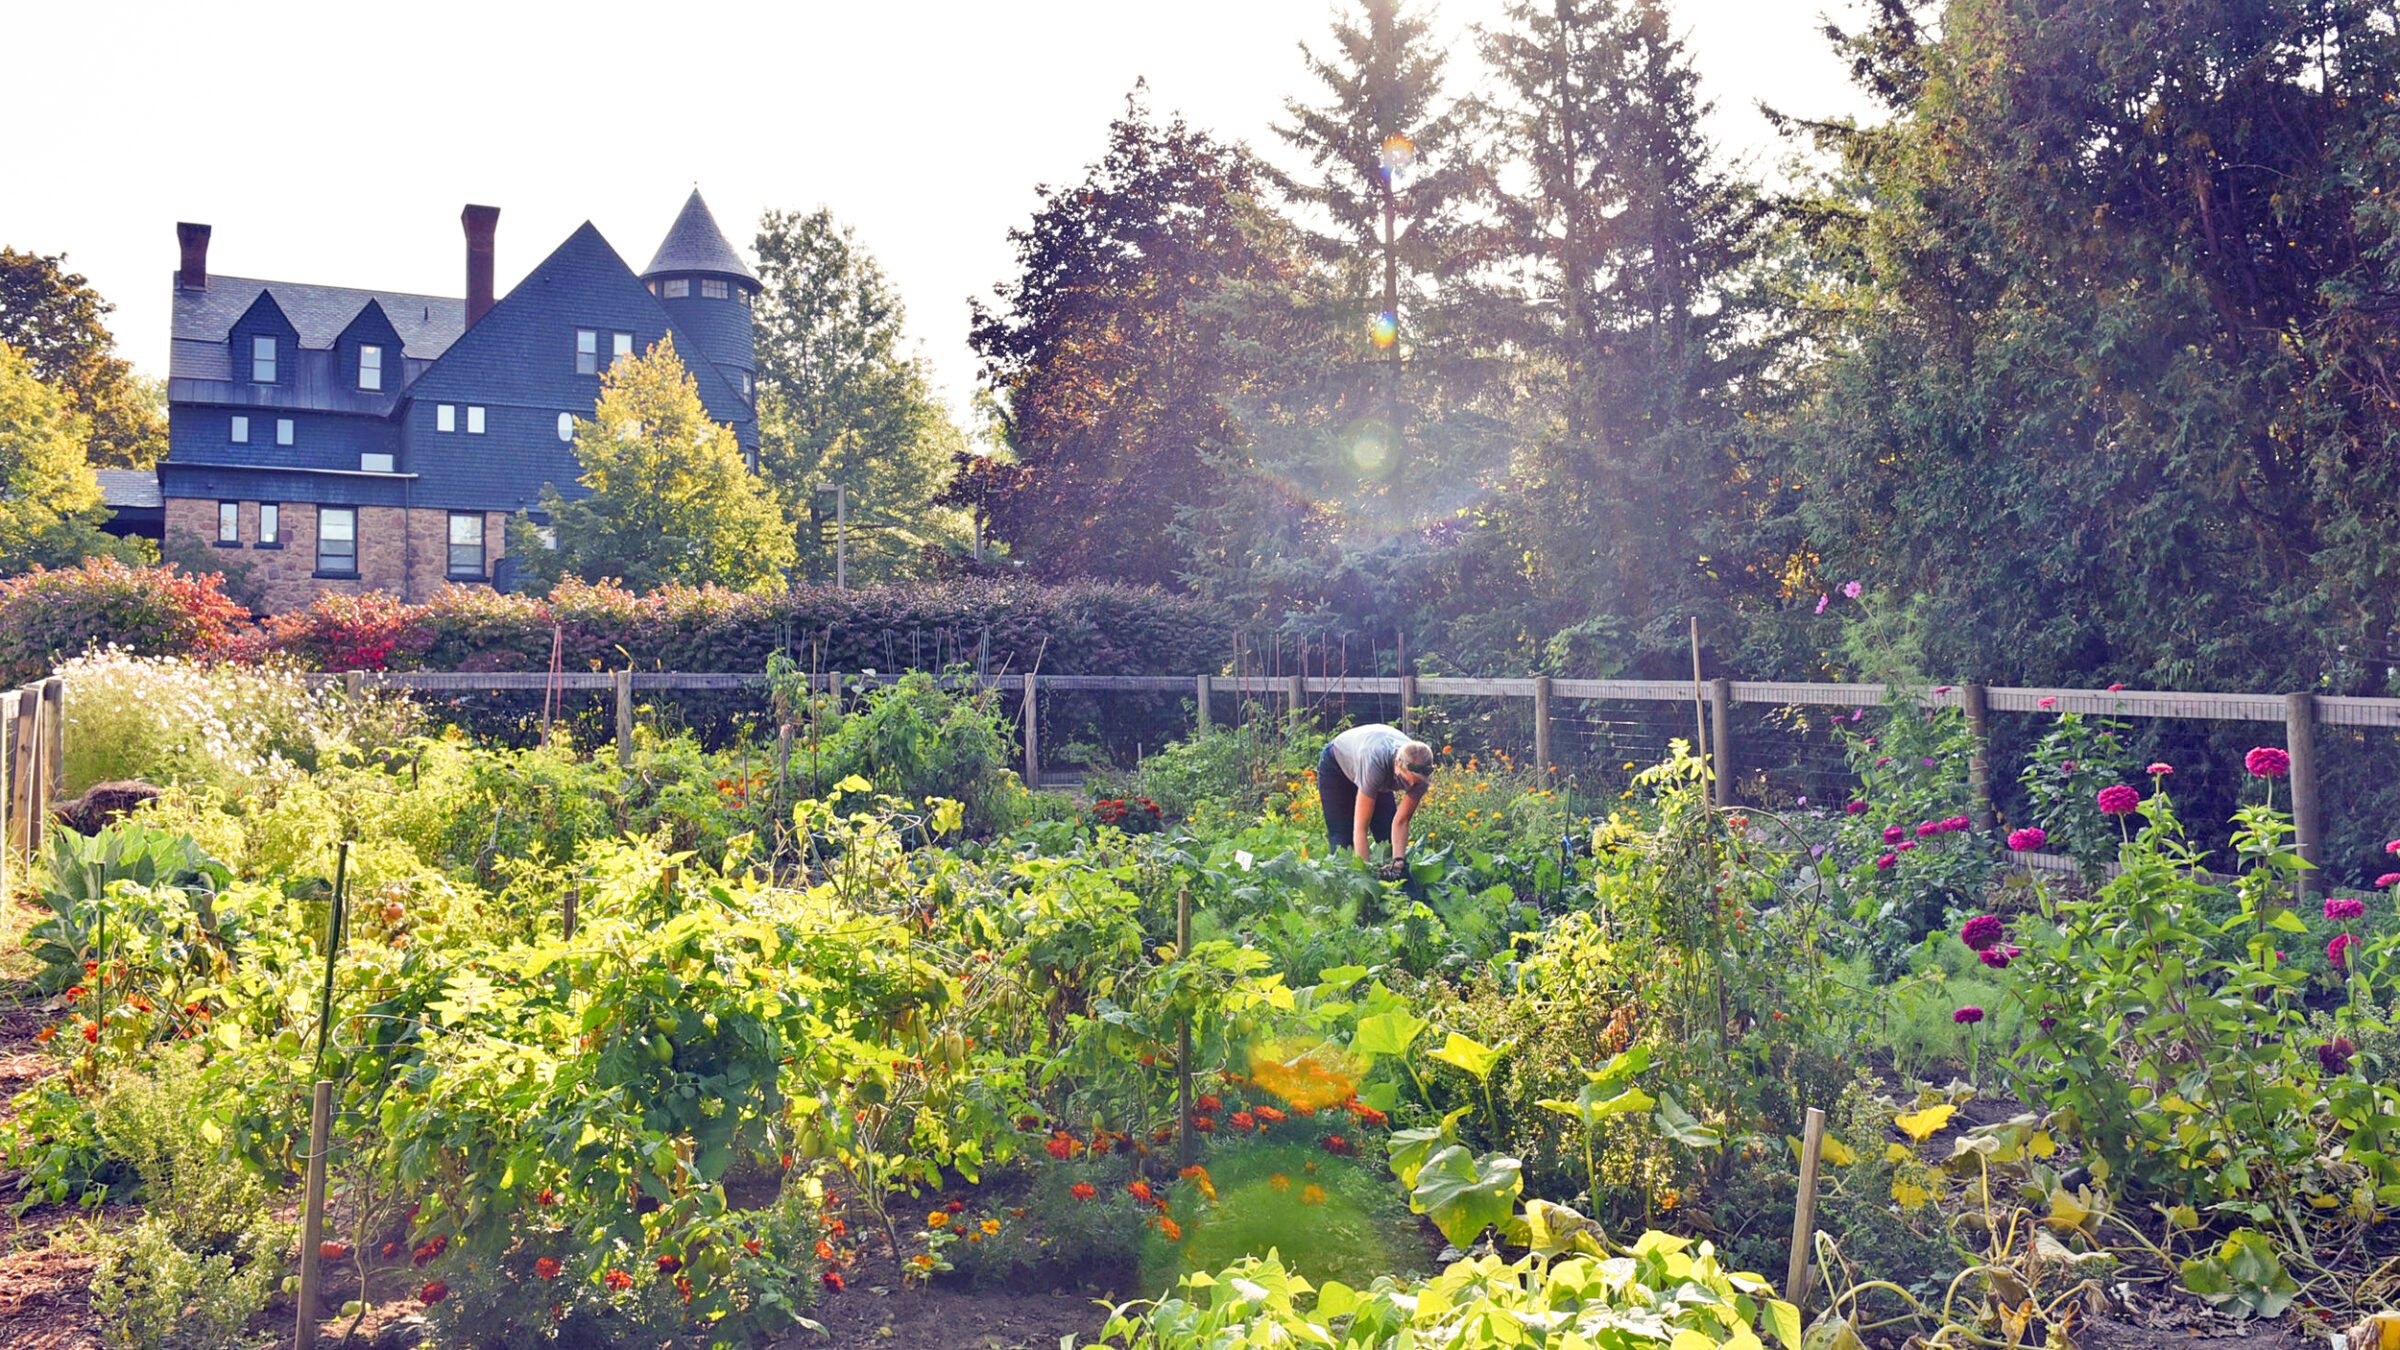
(50, 511)
(54, 318)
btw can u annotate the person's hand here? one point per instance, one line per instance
(1395, 870)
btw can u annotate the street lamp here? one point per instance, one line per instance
(841, 533)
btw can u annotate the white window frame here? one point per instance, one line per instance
(240, 431)
(481, 567)
(229, 522)
(587, 351)
(445, 417)
(348, 515)
(474, 419)
(620, 346)
(713, 288)
(270, 523)
(285, 432)
(370, 367)
(263, 362)
(679, 288)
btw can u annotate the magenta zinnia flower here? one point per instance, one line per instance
(1884, 863)
(2119, 800)
(2388, 879)
(1999, 957)
(1982, 932)
(2267, 762)
(2335, 1054)
(1904, 846)
(1855, 808)
(1927, 829)
(2028, 839)
(1967, 1017)
(2342, 908)
(2046, 701)
(2338, 950)
(2392, 847)
(1892, 834)
(2161, 770)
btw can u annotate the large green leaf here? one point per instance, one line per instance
(1473, 1056)
(1387, 1033)
(1410, 1148)
(1464, 1194)
(1677, 1124)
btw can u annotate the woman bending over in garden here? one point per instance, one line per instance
(1370, 780)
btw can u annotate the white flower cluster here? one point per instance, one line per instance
(170, 720)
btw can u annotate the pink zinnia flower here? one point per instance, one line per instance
(1981, 932)
(2388, 879)
(1967, 1017)
(2267, 762)
(2338, 950)
(1927, 829)
(1999, 957)
(2342, 908)
(1884, 863)
(1904, 846)
(2028, 839)
(1943, 689)
(1892, 834)
(2046, 701)
(1855, 809)
(2115, 687)
(2160, 770)
(2392, 847)
(1883, 761)
(2119, 800)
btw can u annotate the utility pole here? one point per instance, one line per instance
(841, 533)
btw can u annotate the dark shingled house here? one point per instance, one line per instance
(359, 440)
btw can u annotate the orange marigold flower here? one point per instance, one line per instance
(617, 1280)
(937, 1219)
(1139, 1190)
(1082, 1190)
(1195, 1170)
(824, 1249)
(1369, 1116)
(1204, 1124)
(753, 1247)
(832, 1279)
(1060, 1147)
(547, 1267)
(1209, 1105)
(433, 1292)
(668, 1265)
(1280, 1182)
(1242, 1120)
(1312, 1194)
(1268, 1114)
(991, 1227)
(45, 1033)
(1172, 1229)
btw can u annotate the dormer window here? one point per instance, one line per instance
(370, 367)
(262, 360)
(712, 290)
(679, 288)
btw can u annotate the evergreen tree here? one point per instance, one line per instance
(841, 402)
(670, 503)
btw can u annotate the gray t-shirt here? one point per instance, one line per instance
(1367, 754)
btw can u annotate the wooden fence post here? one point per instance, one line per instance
(24, 772)
(1979, 754)
(2300, 738)
(9, 814)
(1202, 692)
(312, 1221)
(1541, 723)
(1804, 1216)
(54, 735)
(1408, 704)
(1720, 707)
(623, 682)
(567, 918)
(1296, 696)
(354, 686)
(1033, 733)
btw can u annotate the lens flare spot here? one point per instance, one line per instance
(1399, 155)
(1385, 329)
(1371, 451)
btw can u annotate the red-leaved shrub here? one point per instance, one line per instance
(48, 616)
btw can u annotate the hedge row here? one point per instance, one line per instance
(1082, 628)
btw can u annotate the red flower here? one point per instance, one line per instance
(547, 1267)
(1204, 1124)
(1139, 1190)
(956, 1207)
(1268, 1114)
(2028, 839)
(1893, 834)
(91, 1032)
(2119, 800)
(1243, 1120)
(1334, 1143)
(1884, 863)
(433, 1292)
(1855, 808)
(1210, 1105)
(1060, 1147)
(668, 1265)
(1082, 1190)
(1981, 932)
(547, 1197)
(332, 1251)
(2342, 907)
(832, 1279)
(753, 1247)
(1369, 1116)
(617, 1280)
(1967, 1017)
(431, 1250)
(2338, 951)
(2267, 762)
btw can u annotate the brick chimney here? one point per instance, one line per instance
(479, 221)
(194, 239)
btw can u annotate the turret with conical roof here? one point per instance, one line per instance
(708, 289)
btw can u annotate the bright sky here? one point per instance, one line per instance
(336, 143)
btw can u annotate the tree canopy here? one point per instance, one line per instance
(671, 501)
(50, 511)
(54, 319)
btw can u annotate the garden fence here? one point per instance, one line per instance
(1769, 742)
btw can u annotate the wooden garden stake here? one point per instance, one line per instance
(1804, 1218)
(312, 1223)
(667, 877)
(1699, 712)
(1186, 1148)
(566, 922)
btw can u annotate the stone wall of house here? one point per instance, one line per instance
(401, 551)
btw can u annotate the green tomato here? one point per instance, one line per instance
(666, 1024)
(662, 1051)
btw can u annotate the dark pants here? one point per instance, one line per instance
(1339, 796)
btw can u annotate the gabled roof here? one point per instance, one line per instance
(123, 488)
(695, 244)
(427, 324)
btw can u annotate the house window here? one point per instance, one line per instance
(587, 352)
(241, 431)
(262, 360)
(466, 543)
(622, 348)
(445, 417)
(712, 290)
(370, 367)
(678, 289)
(566, 426)
(229, 522)
(474, 420)
(270, 525)
(337, 539)
(283, 431)
(375, 463)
